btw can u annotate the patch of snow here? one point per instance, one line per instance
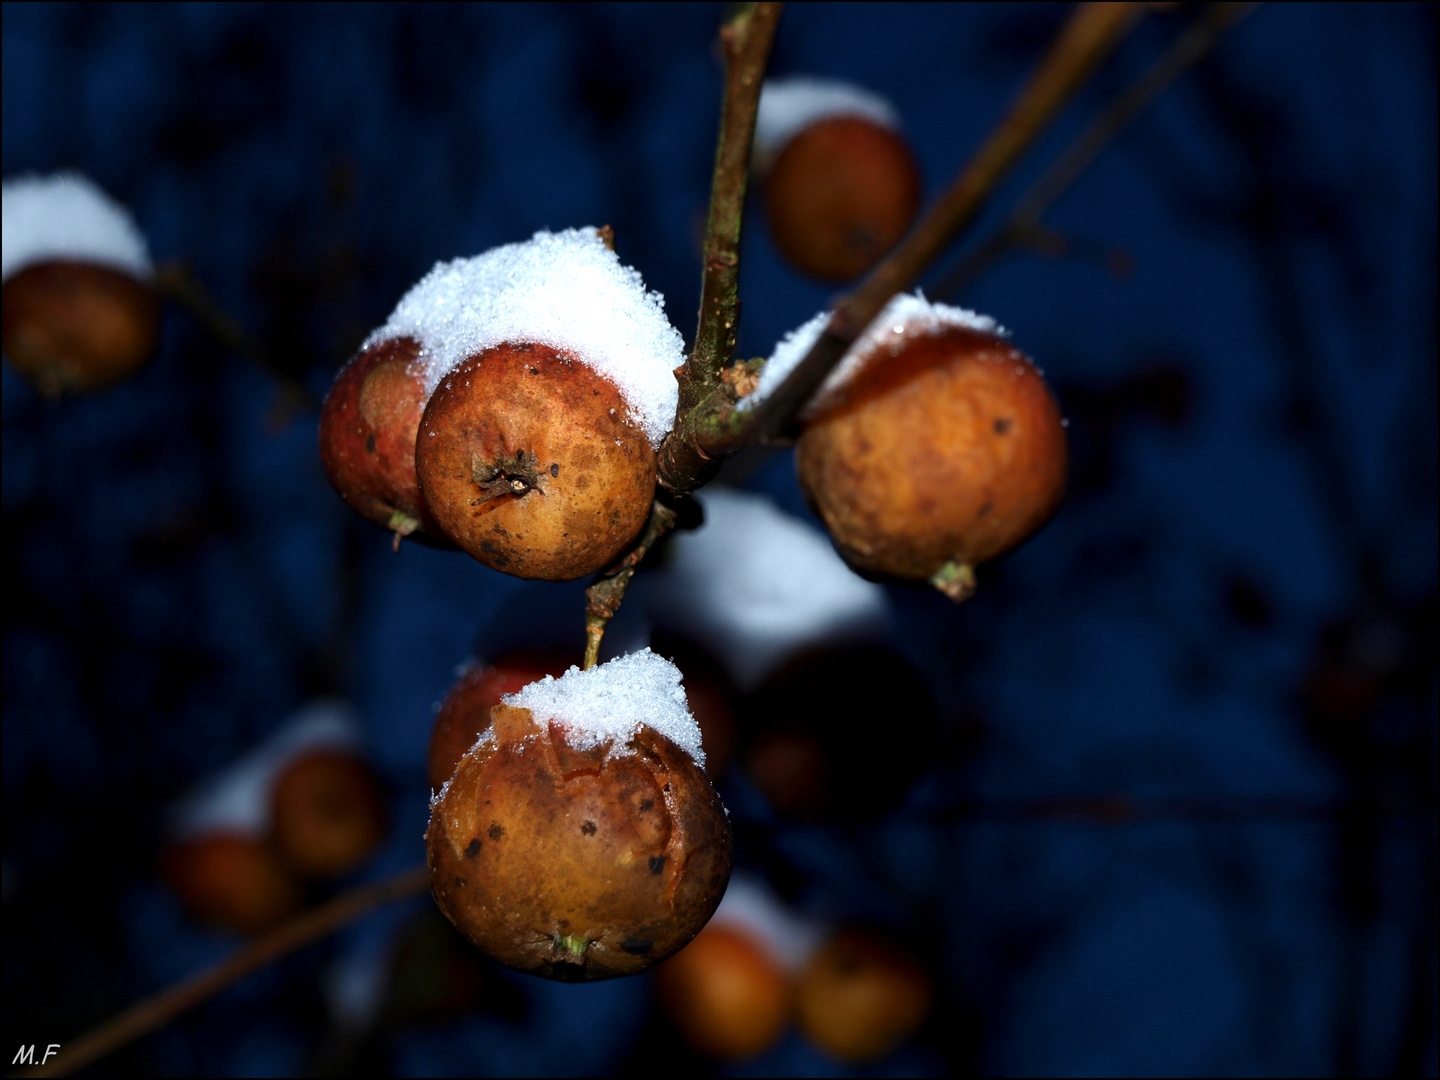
(789, 106)
(904, 318)
(612, 700)
(237, 799)
(756, 585)
(67, 216)
(566, 290)
(751, 907)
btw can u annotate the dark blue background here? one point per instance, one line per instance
(1230, 623)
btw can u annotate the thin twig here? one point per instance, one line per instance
(746, 40)
(603, 598)
(716, 428)
(155, 1012)
(177, 283)
(1024, 221)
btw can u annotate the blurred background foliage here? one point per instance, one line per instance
(1179, 812)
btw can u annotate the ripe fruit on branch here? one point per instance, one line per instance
(78, 310)
(935, 446)
(726, 995)
(327, 813)
(367, 438)
(529, 461)
(549, 375)
(860, 997)
(465, 713)
(580, 839)
(231, 880)
(841, 185)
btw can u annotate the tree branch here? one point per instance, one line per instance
(715, 428)
(746, 39)
(1024, 221)
(177, 283)
(155, 1012)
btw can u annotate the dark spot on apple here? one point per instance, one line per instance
(657, 863)
(473, 849)
(637, 946)
(588, 828)
(984, 510)
(370, 443)
(460, 882)
(496, 830)
(555, 469)
(646, 805)
(1002, 426)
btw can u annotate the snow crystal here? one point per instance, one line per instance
(751, 906)
(566, 290)
(755, 585)
(904, 317)
(788, 106)
(237, 799)
(612, 700)
(66, 216)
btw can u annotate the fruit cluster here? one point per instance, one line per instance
(757, 968)
(306, 808)
(511, 407)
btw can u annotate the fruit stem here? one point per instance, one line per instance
(1091, 32)
(955, 580)
(157, 1011)
(604, 596)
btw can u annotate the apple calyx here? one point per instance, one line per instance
(516, 476)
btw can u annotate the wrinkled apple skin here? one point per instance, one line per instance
(77, 326)
(574, 864)
(582, 474)
(465, 713)
(367, 439)
(327, 813)
(954, 449)
(840, 195)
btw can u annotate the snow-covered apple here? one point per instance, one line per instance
(548, 375)
(580, 838)
(841, 184)
(79, 313)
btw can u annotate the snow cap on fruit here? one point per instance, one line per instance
(904, 318)
(66, 216)
(789, 106)
(755, 585)
(612, 701)
(566, 290)
(237, 799)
